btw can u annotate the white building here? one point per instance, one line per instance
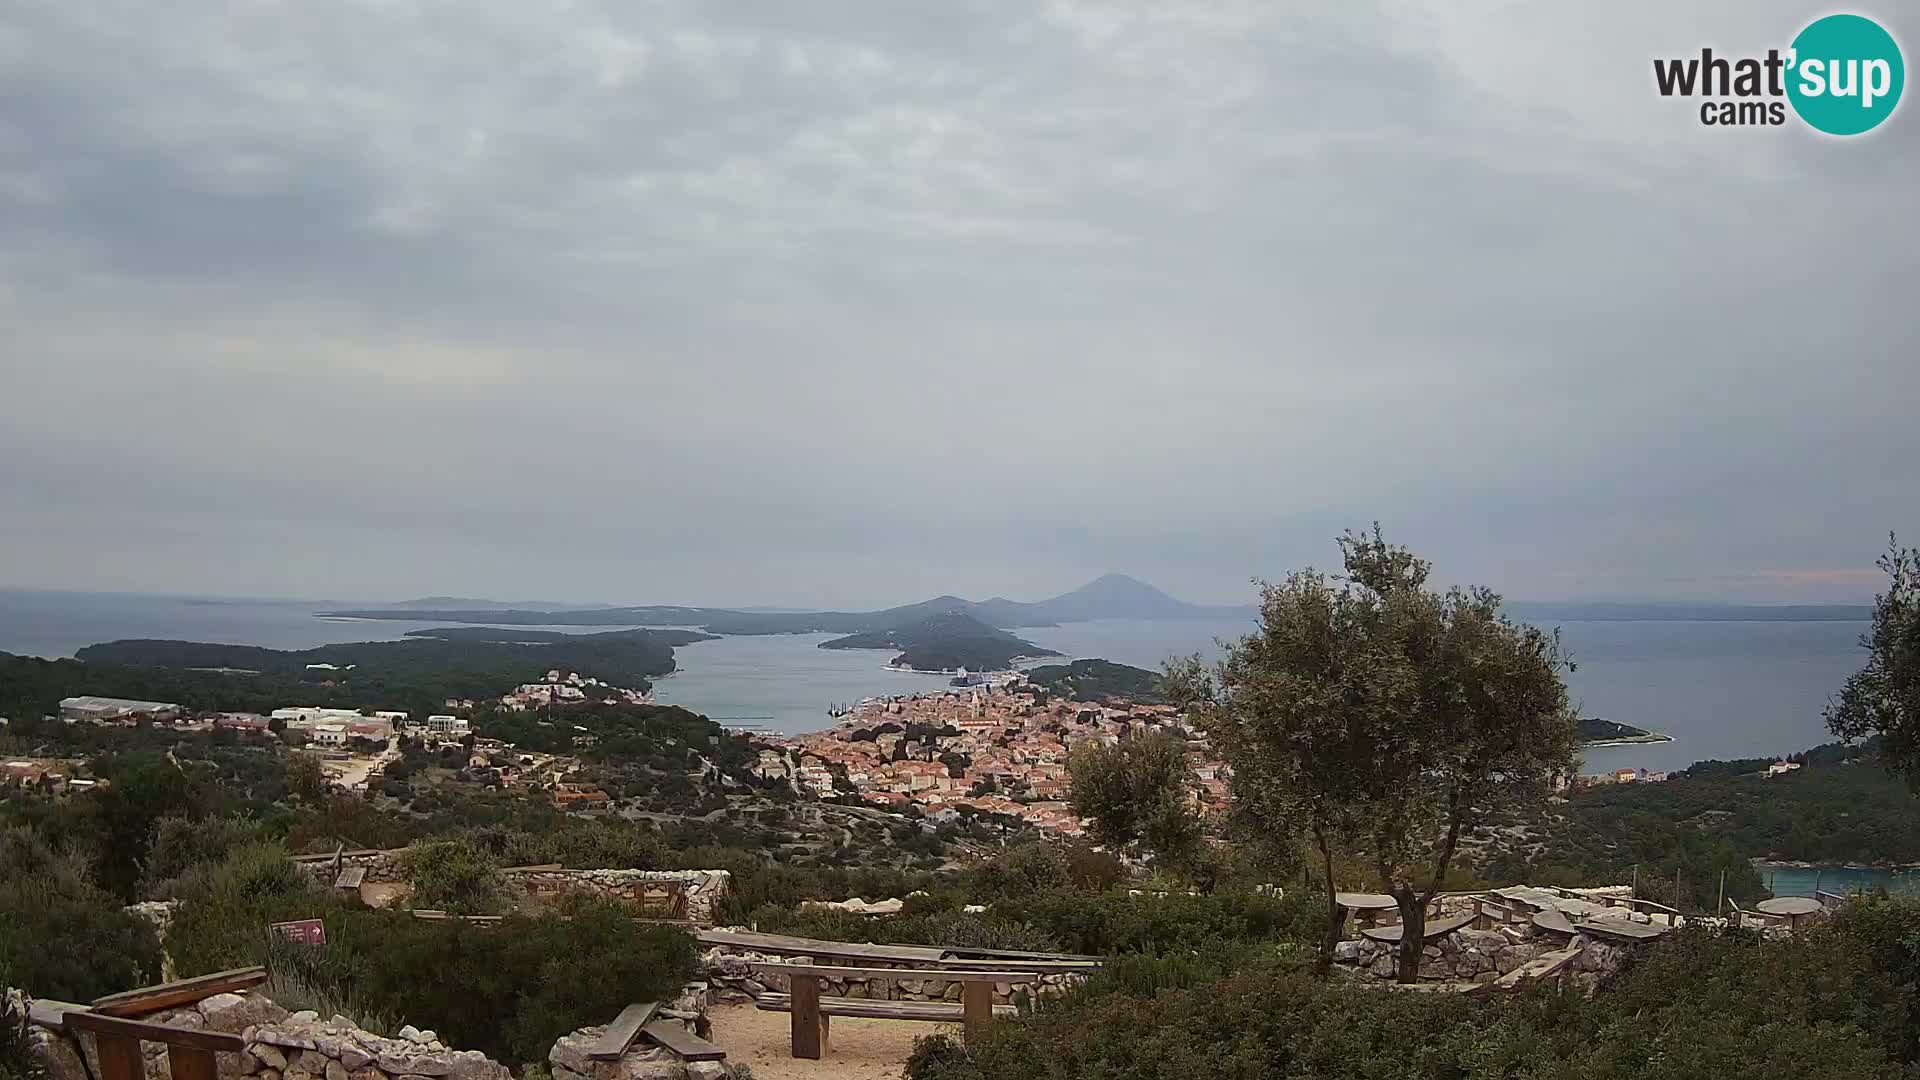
(447, 725)
(331, 733)
(306, 716)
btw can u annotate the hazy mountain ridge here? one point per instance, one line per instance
(1111, 596)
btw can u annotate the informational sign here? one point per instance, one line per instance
(303, 931)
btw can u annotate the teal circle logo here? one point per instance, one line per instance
(1845, 74)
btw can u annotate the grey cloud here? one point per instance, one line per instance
(850, 302)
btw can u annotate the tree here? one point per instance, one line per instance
(1136, 793)
(1371, 711)
(1883, 698)
(305, 778)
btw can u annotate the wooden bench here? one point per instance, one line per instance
(636, 1021)
(811, 1011)
(1432, 931)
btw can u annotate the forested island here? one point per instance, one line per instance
(417, 674)
(945, 642)
(1098, 680)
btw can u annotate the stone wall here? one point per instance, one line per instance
(286, 1046)
(1482, 956)
(730, 972)
(1462, 956)
(703, 888)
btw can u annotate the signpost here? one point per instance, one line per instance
(302, 931)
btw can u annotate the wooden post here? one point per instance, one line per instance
(976, 1005)
(119, 1057)
(1720, 904)
(191, 1063)
(808, 1024)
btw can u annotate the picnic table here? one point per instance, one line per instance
(1789, 908)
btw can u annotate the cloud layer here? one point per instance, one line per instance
(849, 303)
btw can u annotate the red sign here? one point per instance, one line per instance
(303, 931)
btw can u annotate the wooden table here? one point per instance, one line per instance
(1789, 908)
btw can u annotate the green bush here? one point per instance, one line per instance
(62, 937)
(180, 844)
(1119, 922)
(452, 876)
(1834, 1002)
(509, 989)
(18, 1061)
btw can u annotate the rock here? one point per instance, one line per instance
(410, 1033)
(268, 1054)
(336, 1071)
(268, 1074)
(1347, 951)
(706, 1070)
(424, 1038)
(570, 1052)
(304, 1016)
(233, 1014)
(354, 1058)
(474, 1065)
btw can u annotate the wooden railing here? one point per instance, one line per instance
(117, 1035)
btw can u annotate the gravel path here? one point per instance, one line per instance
(859, 1049)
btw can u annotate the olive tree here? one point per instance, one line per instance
(1137, 794)
(1883, 698)
(1372, 713)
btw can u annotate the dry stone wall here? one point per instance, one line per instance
(286, 1046)
(703, 889)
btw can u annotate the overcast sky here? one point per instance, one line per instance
(848, 304)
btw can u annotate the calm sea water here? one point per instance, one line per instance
(1805, 880)
(1721, 689)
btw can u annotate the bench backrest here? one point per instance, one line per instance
(828, 971)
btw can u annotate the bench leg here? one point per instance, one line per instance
(808, 1024)
(976, 1000)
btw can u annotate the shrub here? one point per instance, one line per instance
(18, 1061)
(1831, 1003)
(180, 844)
(61, 936)
(453, 877)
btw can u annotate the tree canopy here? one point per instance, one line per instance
(1374, 713)
(1883, 698)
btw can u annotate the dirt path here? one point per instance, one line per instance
(860, 1049)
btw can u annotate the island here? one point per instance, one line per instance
(945, 642)
(1099, 680)
(420, 671)
(1594, 731)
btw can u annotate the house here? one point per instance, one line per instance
(329, 734)
(1782, 767)
(252, 722)
(447, 725)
